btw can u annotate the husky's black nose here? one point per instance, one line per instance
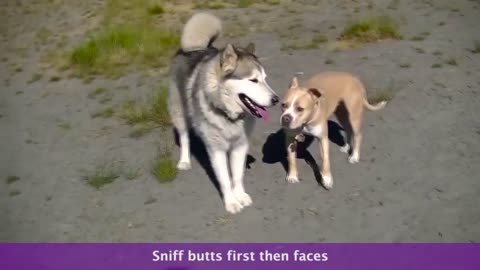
(275, 100)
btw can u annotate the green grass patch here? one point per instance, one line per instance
(114, 49)
(101, 93)
(371, 30)
(343, 45)
(105, 113)
(43, 35)
(134, 113)
(248, 3)
(35, 77)
(451, 61)
(158, 107)
(65, 126)
(437, 65)
(419, 50)
(11, 179)
(106, 98)
(86, 80)
(102, 176)
(129, 37)
(245, 3)
(98, 91)
(418, 38)
(319, 39)
(14, 193)
(132, 174)
(272, 2)
(164, 168)
(219, 4)
(405, 65)
(55, 78)
(141, 130)
(147, 115)
(299, 44)
(210, 4)
(156, 9)
(291, 8)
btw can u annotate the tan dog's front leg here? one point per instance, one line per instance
(292, 174)
(327, 180)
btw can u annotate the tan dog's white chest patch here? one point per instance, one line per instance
(315, 131)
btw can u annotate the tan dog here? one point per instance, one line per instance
(306, 110)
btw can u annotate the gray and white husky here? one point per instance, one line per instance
(217, 93)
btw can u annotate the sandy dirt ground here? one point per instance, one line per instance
(418, 179)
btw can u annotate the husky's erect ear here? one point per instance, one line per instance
(294, 83)
(314, 92)
(250, 48)
(228, 60)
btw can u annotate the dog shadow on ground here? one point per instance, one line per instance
(199, 152)
(274, 150)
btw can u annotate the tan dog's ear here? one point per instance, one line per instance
(294, 83)
(229, 59)
(250, 48)
(314, 92)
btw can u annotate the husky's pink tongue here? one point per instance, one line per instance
(263, 113)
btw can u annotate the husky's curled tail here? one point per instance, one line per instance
(200, 31)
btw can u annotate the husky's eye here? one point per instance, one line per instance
(254, 80)
(299, 109)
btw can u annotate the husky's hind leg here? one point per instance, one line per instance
(184, 161)
(179, 121)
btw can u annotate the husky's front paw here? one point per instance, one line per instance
(232, 205)
(184, 165)
(354, 158)
(345, 148)
(243, 198)
(292, 179)
(327, 181)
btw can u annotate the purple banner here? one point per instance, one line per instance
(239, 256)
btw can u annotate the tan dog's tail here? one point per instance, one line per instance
(375, 107)
(369, 106)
